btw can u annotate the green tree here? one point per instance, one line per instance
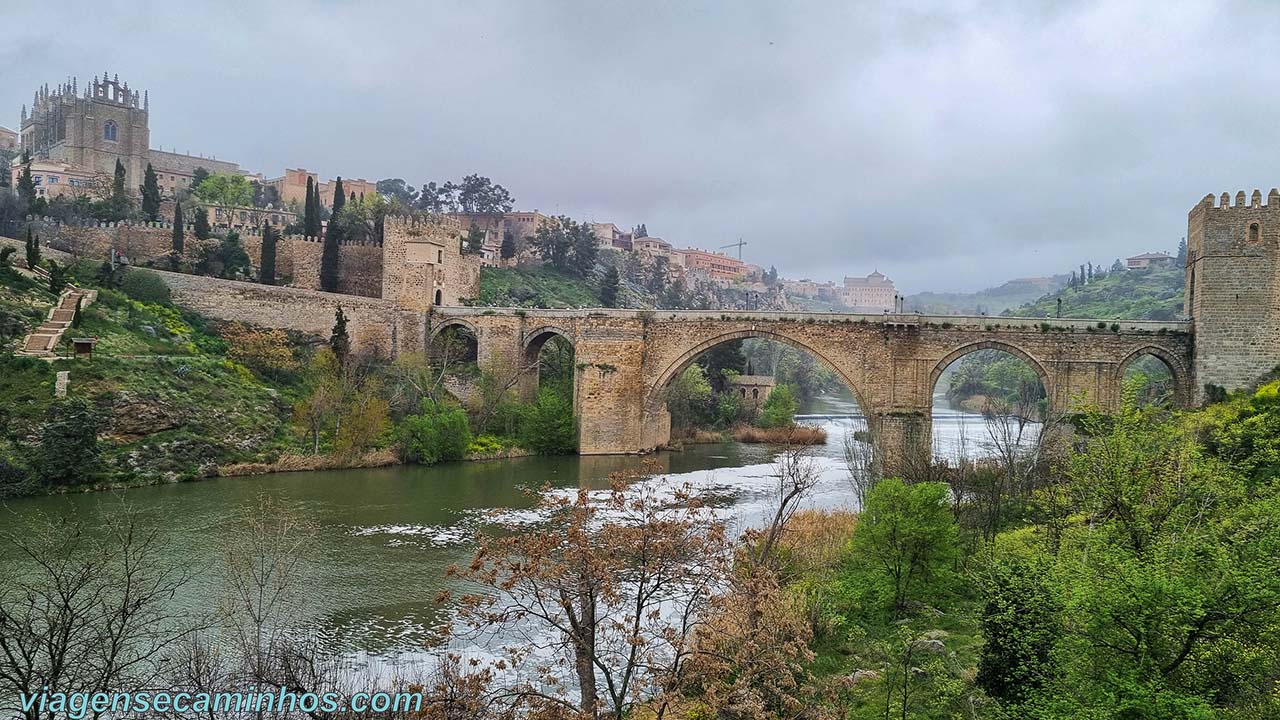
(610, 287)
(398, 189)
(226, 190)
(178, 230)
(198, 176)
(267, 273)
(508, 245)
(26, 186)
(33, 250)
(475, 240)
(201, 227)
(477, 194)
(150, 194)
(332, 242)
(76, 317)
(310, 213)
(57, 277)
(438, 434)
(690, 399)
(906, 541)
(145, 286)
(68, 451)
(232, 255)
(1021, 625)
(339, 340)
(118, 181)
(554, 242)
(547, 426)
(779, 409)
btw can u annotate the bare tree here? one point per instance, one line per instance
(88, 610)
(862, 461)
(609, 595)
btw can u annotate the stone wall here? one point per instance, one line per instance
(375, 325)
(1233, 288)
(423, 263)
(359, 266)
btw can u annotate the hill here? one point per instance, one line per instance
(163, 393)
(991, 301)
(1153, 294)
(534, 286)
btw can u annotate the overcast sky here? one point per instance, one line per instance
(952, 146)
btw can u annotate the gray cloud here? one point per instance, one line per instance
(951, 146)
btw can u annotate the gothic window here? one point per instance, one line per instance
(1253, 233)
(110, 132)
(439, 298)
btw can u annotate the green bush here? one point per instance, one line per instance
(547, 427)
(485, 445)
(145, 286)
(68, 452)
(779, 410)
(904, 545)
(439, 434)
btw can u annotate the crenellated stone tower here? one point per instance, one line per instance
(89, 130)
(1233, 288)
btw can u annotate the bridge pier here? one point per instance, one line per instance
(901, 440)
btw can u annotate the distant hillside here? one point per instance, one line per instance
(534, 286)
(1131, 295)
(991, 301)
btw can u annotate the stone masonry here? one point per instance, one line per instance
(1233, 288)
(626, 359)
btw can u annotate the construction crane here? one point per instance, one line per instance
(738, 245)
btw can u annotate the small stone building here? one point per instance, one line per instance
(753, 389)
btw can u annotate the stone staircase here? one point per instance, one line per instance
(43, 341)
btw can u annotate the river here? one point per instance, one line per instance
(384, 537)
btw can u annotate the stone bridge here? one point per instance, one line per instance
(626, 358)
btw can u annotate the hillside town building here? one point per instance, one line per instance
(291, 187)
(8, 139)
(873, 293)
(1149, 259)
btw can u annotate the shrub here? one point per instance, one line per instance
(16, 480)
(905, 542)
(779, 410)
(485, 445)
(68, 451)
(547, 426)
(145, 286)
(439, 434)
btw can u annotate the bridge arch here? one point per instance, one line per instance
(655, 396)
(1034, 363)
(466, 325)
(1177, 372)
(535, 339)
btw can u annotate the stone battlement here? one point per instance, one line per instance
(1224, 201)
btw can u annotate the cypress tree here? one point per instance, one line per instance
(26, 187)
(177, 228)
(508, 246)
(267, 273)
(117, 183)
(609, 287)
(310, 217)
(332, 242)
(339, 340)
(151, 194)
(75, 317)
(201, 228)
(33, 250)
